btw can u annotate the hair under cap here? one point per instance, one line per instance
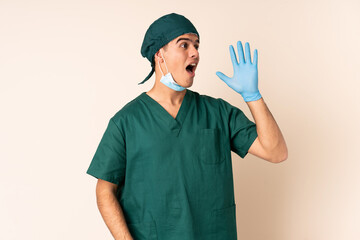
(162, 31)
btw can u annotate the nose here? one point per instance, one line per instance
(194, 53)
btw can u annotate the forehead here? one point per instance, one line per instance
(187, 37)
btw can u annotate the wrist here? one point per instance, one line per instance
(249, 97)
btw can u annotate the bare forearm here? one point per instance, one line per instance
(269, 133)
(113, 216)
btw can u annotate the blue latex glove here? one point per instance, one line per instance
(245, 78)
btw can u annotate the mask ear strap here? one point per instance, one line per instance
(160, 68)
(164, 61)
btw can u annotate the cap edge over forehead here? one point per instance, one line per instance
(161, 32)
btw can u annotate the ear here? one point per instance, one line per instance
(158, 57)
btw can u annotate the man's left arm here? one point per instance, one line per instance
(270, 143)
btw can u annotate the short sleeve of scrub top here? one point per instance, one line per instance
(242, 130)
(175, 174)
(109, 160)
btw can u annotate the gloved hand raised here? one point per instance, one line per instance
(245, 77)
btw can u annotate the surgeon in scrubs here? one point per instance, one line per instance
(164, 161)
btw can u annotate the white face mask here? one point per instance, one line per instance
(168, 79)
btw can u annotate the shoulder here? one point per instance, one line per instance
(212, 102)
(130, 109)
(207, 99)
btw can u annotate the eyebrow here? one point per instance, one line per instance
(197, 40)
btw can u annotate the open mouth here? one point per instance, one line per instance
(190, 69)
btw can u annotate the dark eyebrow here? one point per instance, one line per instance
(197, 40)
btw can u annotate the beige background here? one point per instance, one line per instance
(67, 66)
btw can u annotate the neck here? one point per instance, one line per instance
(162, 93)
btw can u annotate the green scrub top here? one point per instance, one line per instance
(174, 175)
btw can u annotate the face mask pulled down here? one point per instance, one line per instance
(168, 79)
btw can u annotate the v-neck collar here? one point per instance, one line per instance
(175, 124)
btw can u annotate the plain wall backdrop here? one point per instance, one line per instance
(67, 66)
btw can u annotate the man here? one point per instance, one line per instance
(164, 162)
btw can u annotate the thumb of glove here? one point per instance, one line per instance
(223, 77)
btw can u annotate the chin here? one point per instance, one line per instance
(188, 84)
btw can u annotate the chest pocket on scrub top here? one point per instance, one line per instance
(211, 146)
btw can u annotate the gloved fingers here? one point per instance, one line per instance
(255, 57)
(223, 77)
(233, 56)
(240, 52)
(247, 53)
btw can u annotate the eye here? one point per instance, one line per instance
(184, 44)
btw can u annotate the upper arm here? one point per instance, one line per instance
(103, 186)
(258, 150)
(109, 161)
